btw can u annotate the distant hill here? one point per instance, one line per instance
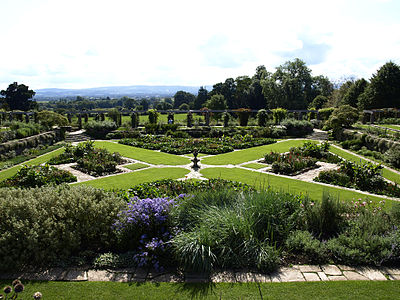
(134, 91)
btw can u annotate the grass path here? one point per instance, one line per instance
(386, 173)
(128, 180)
(352, 290)
(263, 180)
(145, 155)
(241, 156)
(4, 174)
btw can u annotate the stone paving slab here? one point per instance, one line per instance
(283, 274)
(311, 277)
(310, 268)
(323, 276)
(331, 270)
(352, 275)
(372, 274)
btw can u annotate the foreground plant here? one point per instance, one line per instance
(16, 288)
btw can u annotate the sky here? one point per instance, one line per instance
(94, 43)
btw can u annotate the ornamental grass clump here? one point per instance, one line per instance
(144, 226)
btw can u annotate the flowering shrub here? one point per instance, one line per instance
(291, 163)
(145, 226)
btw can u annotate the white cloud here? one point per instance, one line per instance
(95, 43)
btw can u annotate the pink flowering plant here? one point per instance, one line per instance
(145, 227)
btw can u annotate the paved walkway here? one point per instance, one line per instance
(296, 273)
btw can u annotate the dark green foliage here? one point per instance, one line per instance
(226, 118)
(318, 102)
(51, 118)
(383, 90)
(18, 97)
(324, 219)
(99, 129)
(115, 115)
(354, 92)
(355, 144)
(297, 128)
(45, 225)
(343, 116)
(392, 156)
(153, 116)
(304, 244)
(111, 260)
(334, 177)
(279, 114)
(33, 176)
(243, 114)
(325, 113)
(262, 117)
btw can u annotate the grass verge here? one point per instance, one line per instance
(263, 180)
(145, 155)
(136, 166)
(255, 166)
(128, 180)
(241, 156)
(290, 290)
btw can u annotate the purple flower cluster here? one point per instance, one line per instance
(150, 216)
(145, 212)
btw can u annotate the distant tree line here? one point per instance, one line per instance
(291, 86)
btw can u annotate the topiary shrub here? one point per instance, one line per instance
(153, 116)
(262, 117)
(279, 114)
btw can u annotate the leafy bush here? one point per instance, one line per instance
(296, 127)
(51, 118)
(153, 116)
(303, 243)
(355, 144)
(45, 225)
(36, 176)
(111, 260)
(334, 177)
(262, 117)
(99, 129)
(279, 114)
(392, 156)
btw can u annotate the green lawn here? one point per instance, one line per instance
(393, 176)
(390, 126)
(36, 161)
(263, 180)
(255, 166)
(128, 180)
(226, 291)
(136, 166)
(241, 156)
(145, 155)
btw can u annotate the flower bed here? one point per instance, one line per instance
(90, 160)
(203, 145)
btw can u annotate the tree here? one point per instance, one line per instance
(318, 102)
(183, 97)
(18, 97)
(290, 86)
(257, 99)
(201, 98)
(343, 116)
(216, 102)
(50, 119)
(383, 90)
(227, 89)
(242, 92)
(354, 91)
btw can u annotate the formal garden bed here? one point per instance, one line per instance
(203, 145)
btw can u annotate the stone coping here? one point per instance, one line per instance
(297, 273)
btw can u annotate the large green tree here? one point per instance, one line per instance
(354, 91)
(290, 86)
(383, 90)
(201, 98)
(18, 97)
(183, 97)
